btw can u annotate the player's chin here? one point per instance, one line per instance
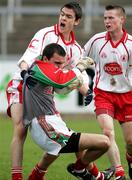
(108, 29)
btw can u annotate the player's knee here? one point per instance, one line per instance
(106, 143)
(20, 132)
(109, 133)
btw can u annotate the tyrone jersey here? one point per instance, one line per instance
(46, 36)
(49, 77)
(112, 61)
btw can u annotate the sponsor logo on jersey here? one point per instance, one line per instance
(113, 68)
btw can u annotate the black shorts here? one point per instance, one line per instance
(72, 144)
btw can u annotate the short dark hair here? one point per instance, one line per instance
(75, 7)
(52, 48)
(117, 7)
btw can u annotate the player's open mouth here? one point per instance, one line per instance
(62, 24)
(108, 26)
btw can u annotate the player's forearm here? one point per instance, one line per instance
(83, 89)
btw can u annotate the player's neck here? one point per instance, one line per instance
(67, 37)
(116, 35)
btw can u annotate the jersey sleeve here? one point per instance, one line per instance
(88, 48)
(49, 74)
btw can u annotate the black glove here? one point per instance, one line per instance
(88, 98)
(27, 77)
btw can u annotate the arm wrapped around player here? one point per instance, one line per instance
(77, 83)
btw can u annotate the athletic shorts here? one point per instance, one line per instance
(117, 105)
(14, 93)
(52, 135)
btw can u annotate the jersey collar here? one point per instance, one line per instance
(57, 32)
(122, 40)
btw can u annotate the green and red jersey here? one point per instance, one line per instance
(50, 74)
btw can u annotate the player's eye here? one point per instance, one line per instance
(58, 63)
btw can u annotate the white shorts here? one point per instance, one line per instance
(14, 93)
(50, 133)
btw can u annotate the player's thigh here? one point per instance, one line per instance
(96, 141)
(16, 113)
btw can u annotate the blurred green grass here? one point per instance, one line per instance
(32, 153)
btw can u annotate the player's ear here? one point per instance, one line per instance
(45, 59)
(77, 22)
(123, 19)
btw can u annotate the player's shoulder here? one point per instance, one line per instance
(46, 30)
(99, 35)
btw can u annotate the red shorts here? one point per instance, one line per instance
(14, 93)
(117, 105)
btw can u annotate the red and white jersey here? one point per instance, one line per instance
(113, 61)
(46, 36)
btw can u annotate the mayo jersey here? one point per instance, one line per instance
(46, 36)
(113, 61)
(48, 77)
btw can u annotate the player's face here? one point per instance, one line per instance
(113, 20)
(58, 60)
(67, 20)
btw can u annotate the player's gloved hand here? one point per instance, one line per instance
(88, 98)
(28, 78)
(84, 63)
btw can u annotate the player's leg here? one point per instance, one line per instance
(127, 131)
(40, 169)
(92, 146)
(51, 147)
(106, 124)
(14, 97)
(105, 111)
(19, 135)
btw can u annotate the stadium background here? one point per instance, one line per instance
(19, 20)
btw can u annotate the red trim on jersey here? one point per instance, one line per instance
(79, 48)
(126, 50)
(122, 40)
(56, 27)
(103, 46)
(94, 42)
